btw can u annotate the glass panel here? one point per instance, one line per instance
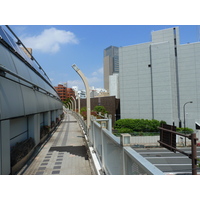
(112, 156)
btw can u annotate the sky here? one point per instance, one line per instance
(77, 32)
(83, 36)
(58, 47)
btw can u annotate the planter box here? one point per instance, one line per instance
(22, 162)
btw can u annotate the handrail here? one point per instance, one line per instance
(20, 42)
(100, 140)
(18, 52)
(2, 68)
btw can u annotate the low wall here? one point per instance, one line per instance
(153, 140)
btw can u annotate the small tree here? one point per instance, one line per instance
(100, 109)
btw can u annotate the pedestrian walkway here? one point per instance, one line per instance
(64, 154)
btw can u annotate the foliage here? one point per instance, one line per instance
(138, 125)
(83, 112)
(66, 101)
(185, 130)
(198, 162)
(100, 109)
(20, 150)
(44, 130)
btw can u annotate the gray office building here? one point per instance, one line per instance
(111, 64)
(158, 79)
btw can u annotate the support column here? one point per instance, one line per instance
(34, 127)
(5, 147)
(47, 118)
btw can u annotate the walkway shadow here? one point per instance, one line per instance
(75, 150)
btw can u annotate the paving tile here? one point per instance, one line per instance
(39, 173)
(41, 168)
(60, 157)
(55, 172)
(56, 167)
(58, 163)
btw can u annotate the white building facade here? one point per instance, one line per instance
(157, 78)
(114, 85)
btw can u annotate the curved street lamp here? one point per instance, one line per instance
(184, 116)
(74, 103)
(87, 92)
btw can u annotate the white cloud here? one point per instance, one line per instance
(50, 40)
(93, 80)
(98, 72)
(78, 83)
(96, 80)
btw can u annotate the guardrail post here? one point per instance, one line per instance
(110, 123)
(125, 140)
(102, 149)
(194, 153)
(93, 132)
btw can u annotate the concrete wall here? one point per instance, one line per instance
(189, 71)
(111, 104)
(158, 77)
(135, 81)
(114, 85)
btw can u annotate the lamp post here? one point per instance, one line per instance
(78, 97)
(184, 116)
(87, 92)
(74, 103)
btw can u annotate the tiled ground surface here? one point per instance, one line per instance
(63, 154)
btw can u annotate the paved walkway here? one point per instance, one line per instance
(64, 154)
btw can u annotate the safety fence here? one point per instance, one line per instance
(114, 154)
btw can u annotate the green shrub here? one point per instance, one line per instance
(138, 125)
(83, 112)
(124, 130)
(185, 130)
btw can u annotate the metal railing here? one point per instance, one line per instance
(29, 84)
(114, 157)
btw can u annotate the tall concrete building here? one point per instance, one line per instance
(111, 64)
(64, 92)
(157, 78)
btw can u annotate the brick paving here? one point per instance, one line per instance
(64, 154)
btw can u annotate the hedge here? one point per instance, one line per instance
(138, 125)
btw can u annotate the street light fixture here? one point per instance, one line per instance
(87, 92)
(74, 103)
(184, 117)
(78, 97)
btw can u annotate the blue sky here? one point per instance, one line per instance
(57, 47)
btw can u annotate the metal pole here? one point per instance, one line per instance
(194, 153)
(78, 97)
(87, 92)
(184, 116)
(74, 103)
(79, 104)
